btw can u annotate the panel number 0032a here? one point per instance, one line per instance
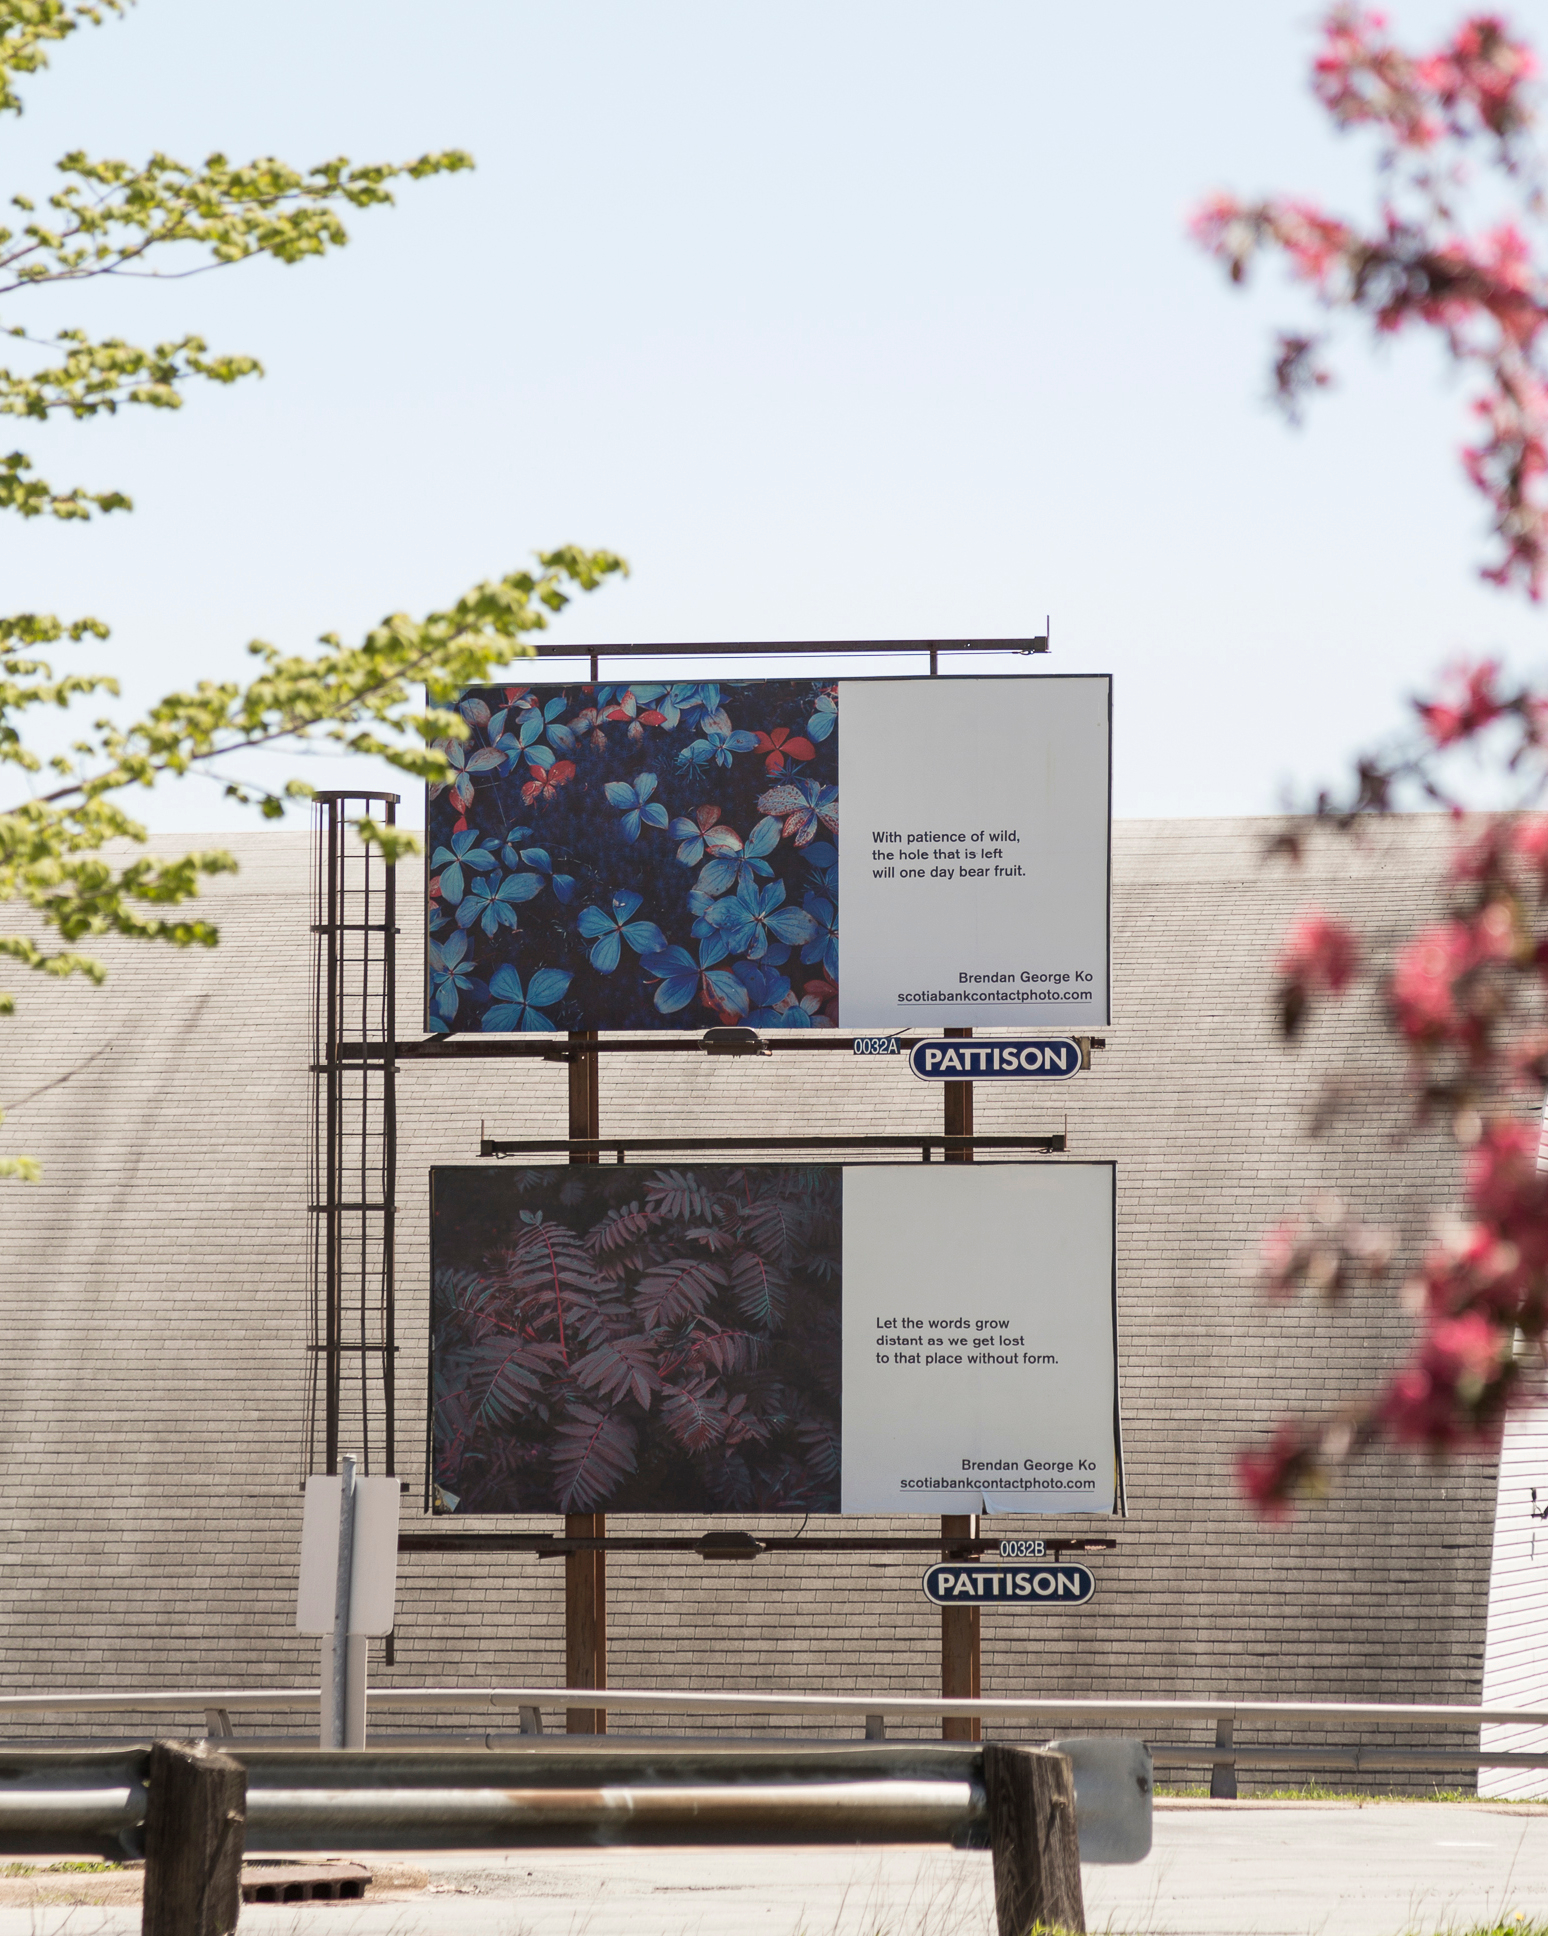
(876, 1045)
(1022, 1549)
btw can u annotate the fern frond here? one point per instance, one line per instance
(620, 1367)
(670, 1292)
(759, 1289)
(593, 1452)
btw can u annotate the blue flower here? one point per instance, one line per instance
(464, 852)
(825, 717)
(562, 884)
(634, 797)
(823, 945)
(713, 945)
(773, 1003)
(494, 905)
(690, 702)
(514, 1010)
(610, 931)
(717, 745)
(682, 978)
(532, 727)
(464, 764)
(754, 918)
(822, 857)
(451, 974)
(735, 869)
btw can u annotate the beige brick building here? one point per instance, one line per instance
(153, 1323)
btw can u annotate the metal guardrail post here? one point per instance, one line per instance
(195, 1821)
(1222, 1774)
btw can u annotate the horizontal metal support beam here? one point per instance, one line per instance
(94, 1812)
(722, 1812)
(556, 1546)
(788, 648)
(596, 1145)
(550, 1048)
(1174, 1754)
(1104, 1712)
(159, 1701)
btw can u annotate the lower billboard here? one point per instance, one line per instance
(775, 1338)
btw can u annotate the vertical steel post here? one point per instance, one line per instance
(961, 1627)
(343, 1587)
(389, 1178)
(585, 1574)
(333, 1244)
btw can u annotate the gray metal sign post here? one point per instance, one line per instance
(343, 1581)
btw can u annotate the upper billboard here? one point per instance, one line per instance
(650, 856)
(890, 1338)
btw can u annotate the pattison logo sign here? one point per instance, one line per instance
(1031, 1586)
(949, 1061)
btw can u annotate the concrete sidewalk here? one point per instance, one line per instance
(1246, 1869)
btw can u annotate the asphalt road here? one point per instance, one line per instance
(1229, 1870)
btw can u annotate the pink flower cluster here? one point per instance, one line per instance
(1483, 292)
(1360, 77)
(1319, 956)
(1472, 699)
(1454, 997)
(1450, 1397)
(1270, 1477)
(1467, 995)
(1439, 994)
(1487, 1281)
(1479, 1287)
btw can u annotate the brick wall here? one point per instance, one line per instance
(152, 1324)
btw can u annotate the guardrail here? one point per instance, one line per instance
(876, 1712)
(192, 1809)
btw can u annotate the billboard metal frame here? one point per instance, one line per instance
(593, 1146)
(798, 649)
(352, 1195)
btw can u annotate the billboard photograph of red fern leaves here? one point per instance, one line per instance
(637, 1339)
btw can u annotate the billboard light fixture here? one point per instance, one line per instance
(734, 1041)
(728, 1546)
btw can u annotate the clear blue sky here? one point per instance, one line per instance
(858, 319)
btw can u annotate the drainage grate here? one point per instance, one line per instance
(295, 1882)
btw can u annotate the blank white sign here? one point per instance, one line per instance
(374, 1576)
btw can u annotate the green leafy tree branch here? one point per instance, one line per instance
(165, 220)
